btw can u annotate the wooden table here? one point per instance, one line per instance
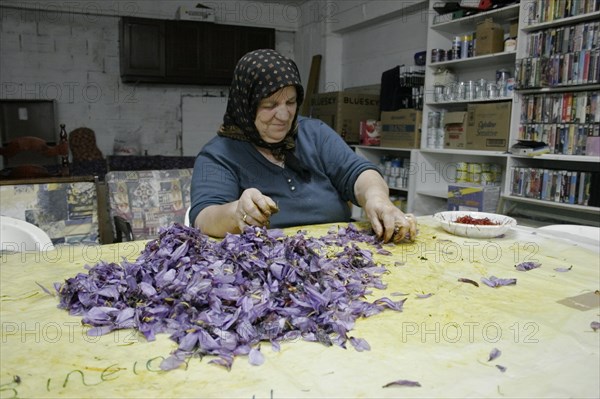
(541, 325)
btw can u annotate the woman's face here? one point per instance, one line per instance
(275, 114)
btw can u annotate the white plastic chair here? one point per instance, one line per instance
(588, 236)
(186, 219)
(574, 230)
(20, 236)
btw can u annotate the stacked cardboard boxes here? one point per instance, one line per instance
(344, 110)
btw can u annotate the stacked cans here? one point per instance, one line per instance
(480, 89)
(395, 171)
(435, 130)
(399, 202)
(504, 82)
(484, 174)
(461, 48)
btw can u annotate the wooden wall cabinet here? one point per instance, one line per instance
(185, 52)
(142, 48)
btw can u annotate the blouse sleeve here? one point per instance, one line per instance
(212, 183)
(336, 158)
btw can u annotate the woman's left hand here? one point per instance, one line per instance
(389, 222)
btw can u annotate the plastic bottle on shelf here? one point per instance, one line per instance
(465, 46)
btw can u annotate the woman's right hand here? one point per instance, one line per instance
(254, 209)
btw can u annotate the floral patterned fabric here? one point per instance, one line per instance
(67, 212)
(149, 199)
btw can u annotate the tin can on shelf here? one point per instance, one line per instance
(474, 167)
(438, 93)
(492, 90)
(496, 171)
(471, 90)
(450, 92)
(487, 179)
(461, 91)
(464, 46)
(510, 44)
(474, 177)
(510, 87)
(480, 89)
(502, 76)
(438, 55)
(457, 43)
(461, 176)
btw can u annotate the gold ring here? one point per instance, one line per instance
(244, 217)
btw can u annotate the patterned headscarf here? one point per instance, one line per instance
(258, 75)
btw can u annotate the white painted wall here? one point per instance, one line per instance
(377, 47)
(358, 39)
(68, 51)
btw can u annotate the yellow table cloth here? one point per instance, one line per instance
(541, 326)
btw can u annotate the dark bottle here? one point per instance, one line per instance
(64, 158)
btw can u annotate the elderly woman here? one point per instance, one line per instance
(269, 167)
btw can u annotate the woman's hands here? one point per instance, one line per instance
(388, 222)
(254, 209)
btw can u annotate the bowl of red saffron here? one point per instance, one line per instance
(474, 224)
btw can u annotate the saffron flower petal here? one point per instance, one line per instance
(526, 266)
(402, 383)
(223, 298)
(494, 354)
(255, 357)
(469, 281)
(494, 281)
(563, 269)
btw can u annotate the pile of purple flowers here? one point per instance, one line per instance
(224, 297)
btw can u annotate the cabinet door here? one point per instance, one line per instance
(255, 38)
(142, 48)
(222, 53)
(226, 44)
(185, 50)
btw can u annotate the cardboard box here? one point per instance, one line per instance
(513, 29)
(488, 126)
(490, 37)
(343, 111)
(370, 132)
(198, 13)
(464, 197)
(455, 130)
(401, 128)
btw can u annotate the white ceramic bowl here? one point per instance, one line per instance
(447, 222)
